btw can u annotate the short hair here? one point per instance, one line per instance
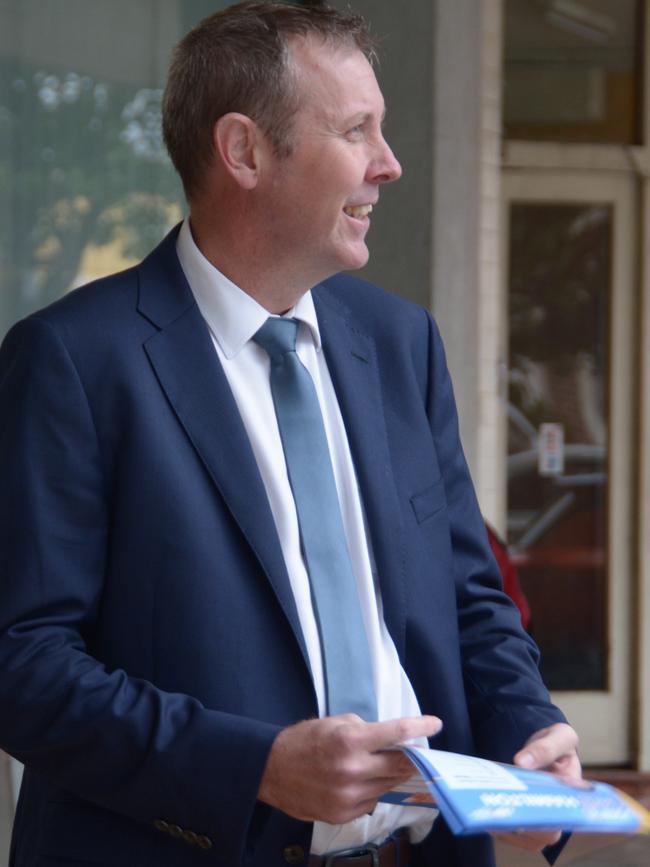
(238, 60)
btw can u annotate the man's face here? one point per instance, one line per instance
(321, 195)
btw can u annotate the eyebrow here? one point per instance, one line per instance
(362, 117)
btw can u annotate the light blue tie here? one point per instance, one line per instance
(344, 645)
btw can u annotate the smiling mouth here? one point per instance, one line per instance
(358, 211)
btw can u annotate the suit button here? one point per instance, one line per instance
(175, 831)
(161, 825)
(191, 838)
(294, 854)
(204, 842)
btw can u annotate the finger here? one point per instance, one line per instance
(367, 807)
(546, 747)
(361, 808)
(392, 766)
(390, 733)
(569, 766)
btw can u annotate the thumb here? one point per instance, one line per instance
(391, 733)
(547, 746)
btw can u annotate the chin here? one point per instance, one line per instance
(354, 260)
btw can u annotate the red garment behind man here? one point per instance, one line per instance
(510, 576)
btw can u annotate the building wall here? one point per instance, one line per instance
(400, 235)
(435, 237)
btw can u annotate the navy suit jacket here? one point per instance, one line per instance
(150, 648)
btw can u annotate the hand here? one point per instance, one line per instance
(335, 769)
(552, 749)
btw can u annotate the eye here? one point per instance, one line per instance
(355, 132)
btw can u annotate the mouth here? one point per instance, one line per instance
(357, 212)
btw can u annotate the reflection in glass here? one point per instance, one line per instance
(86, 187)
(572, 70)
(559, 287)
(86, 170)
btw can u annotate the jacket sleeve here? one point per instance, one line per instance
(102, 735)
(506, 698)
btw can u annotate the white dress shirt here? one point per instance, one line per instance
(233, 317)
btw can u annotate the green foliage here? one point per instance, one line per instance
(81, 162)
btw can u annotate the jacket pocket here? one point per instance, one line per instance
(429, 501)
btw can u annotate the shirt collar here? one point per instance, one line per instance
(232, 315)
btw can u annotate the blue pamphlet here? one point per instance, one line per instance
(476, 795)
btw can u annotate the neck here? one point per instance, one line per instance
(243, 258)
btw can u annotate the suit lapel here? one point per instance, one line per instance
(189, 373)
(352, 362)
(183, 357)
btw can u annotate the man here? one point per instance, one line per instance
(165, 671)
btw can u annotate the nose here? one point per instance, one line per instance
(385, 168)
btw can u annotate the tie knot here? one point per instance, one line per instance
(277, 337)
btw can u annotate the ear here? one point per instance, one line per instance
(237, 140)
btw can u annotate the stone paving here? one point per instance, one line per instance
(634, 852)
(586, 850)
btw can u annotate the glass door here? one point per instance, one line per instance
(569, 260)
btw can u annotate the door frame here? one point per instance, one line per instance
(603, 717)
